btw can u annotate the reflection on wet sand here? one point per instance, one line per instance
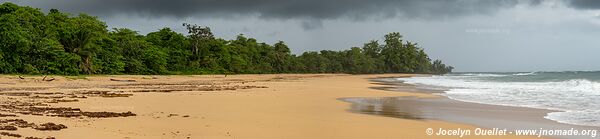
(389, 106)
(442, 108)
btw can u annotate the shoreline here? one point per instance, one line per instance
(294, 106)
(447, 109)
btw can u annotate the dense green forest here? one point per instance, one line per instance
(34, 42)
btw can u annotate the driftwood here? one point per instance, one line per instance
(51, 79)
(21, 77)
(119, 80)
(149, 77)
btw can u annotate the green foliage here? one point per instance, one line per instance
(314, 62)
(32, 42)
(280, 57)
(139, 56)
(78, 35)
(27, 43)
(108, 58)
(175, 46)
(439, 68)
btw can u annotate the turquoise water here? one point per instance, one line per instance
(575, 94)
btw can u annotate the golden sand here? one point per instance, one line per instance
(288, 106)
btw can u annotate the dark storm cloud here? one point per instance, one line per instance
(280, 9)
(584, 4)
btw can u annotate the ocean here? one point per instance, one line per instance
(574, 94)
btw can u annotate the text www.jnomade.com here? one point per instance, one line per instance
(504, 132)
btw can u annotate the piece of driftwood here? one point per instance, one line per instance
(149, 77)
(119, 80)
(51, 79)
(21, 77)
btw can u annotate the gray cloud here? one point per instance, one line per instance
(584, 4)
(280, 9)
(472, 35)
(312, 24)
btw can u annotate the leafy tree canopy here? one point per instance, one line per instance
(32, 42)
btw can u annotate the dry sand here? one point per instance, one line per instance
(286, 106)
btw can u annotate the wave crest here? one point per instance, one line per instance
(525, 74)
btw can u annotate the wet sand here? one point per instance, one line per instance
(443, 108)
(291, 106)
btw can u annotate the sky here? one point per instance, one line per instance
(471, 35)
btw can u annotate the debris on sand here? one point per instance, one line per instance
(75, 96)
(39, 138)
(18, 101)
(15, 94)
(171, 115)
(16, 122)
(10, 134)
(115, 95)
(48, 80)
(50, 126)
(7, 115)
(61, 100)
(107, 114)
(121, 80)
(45, 97)
(103, 93)
(8, 127)
(12, 124)
(61, 112)
(200, 88)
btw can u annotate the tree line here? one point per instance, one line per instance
(33, 42)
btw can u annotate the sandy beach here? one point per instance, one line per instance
(299, 69)
(207, 106)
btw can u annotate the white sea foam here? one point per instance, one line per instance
(525, 74)
(575, 98)
(484, 75)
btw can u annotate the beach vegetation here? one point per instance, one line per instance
(34, 42)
